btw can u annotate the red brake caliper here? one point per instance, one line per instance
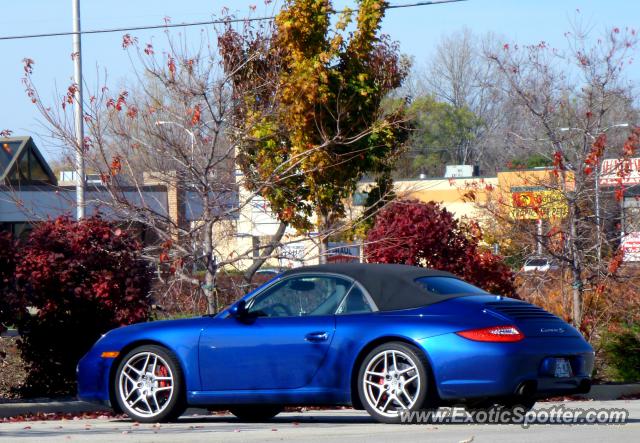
(162, 372)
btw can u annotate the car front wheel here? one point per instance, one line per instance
(393, 378)
(148, 385)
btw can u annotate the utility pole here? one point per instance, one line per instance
(79, 126)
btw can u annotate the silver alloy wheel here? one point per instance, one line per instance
(146, 384)
(391, 382)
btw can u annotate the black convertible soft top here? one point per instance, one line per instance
(391, 286)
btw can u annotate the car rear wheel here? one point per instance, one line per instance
(148, 385)
(393, 378)
(256, 413)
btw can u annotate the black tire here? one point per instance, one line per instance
(256, 413)
(170, 401)
(419, 394)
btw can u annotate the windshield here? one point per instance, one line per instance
(448, 285)
(537, 262)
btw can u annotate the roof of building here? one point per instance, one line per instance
(22, 163)
(391, 286)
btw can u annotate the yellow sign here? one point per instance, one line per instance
(533, 203)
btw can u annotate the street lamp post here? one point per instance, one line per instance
(188, 131)
(79, 126)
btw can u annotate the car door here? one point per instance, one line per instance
(282, 341)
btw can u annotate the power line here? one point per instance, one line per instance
(200, 23)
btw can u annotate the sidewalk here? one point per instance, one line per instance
(11, 408)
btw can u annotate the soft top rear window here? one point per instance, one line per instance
(448, 285)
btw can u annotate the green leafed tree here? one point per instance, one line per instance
(309, 106)
(443, 134)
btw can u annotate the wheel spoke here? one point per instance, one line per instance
(155, 400)
(140, 397)
(146, 363)
(164, 378)
(129, 366)
(378, 399)
(384, 408)
(375, 385)
(397, 399)
(395, 362)
(155, 364)
(146, 403)
(404, 392)
(166, 388)
(129, 378)
(133, 391)
(410, 379)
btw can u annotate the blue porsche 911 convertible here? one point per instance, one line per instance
(384, 338)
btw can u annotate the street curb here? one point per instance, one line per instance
(46, 406)
(611, 391)
(13, 408)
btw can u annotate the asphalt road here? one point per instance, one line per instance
(325, 426)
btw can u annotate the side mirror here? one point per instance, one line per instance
(239, 310)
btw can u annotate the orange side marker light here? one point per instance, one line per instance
(110, 354)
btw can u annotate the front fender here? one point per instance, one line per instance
(180, 337)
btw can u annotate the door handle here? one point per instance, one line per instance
(315, 337)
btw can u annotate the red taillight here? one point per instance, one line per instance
(494, 333)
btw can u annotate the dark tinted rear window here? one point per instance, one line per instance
(448, 285)
(536, 262)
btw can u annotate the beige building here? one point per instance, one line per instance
(457, 195)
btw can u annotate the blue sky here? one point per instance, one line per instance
(417, 30)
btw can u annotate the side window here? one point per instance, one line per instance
(354, 303)
(300, 296)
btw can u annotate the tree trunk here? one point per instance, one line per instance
(266, 253)
(209, 286)
(323, 229)
(576, 311)
(323, 247)
(576, 267)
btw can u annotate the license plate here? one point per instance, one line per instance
(563, 368)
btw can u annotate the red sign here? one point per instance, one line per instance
(616, 171)
(631, 246)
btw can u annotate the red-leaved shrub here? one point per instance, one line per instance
(424, 234)
(78, 279)
(7, 270)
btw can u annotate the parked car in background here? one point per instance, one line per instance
(539, 264)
